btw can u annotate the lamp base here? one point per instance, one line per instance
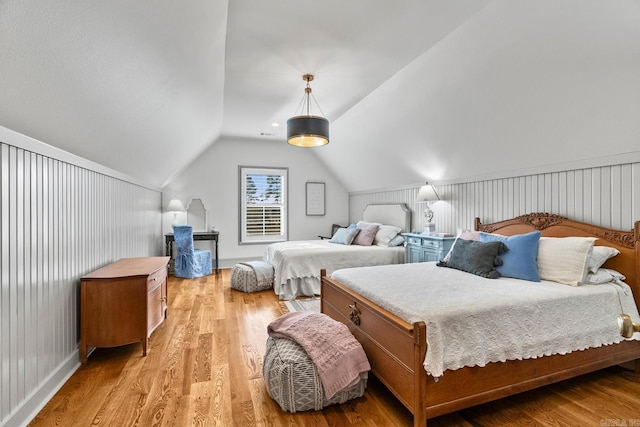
(429, 229)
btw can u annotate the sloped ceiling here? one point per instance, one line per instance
(415, 90)
(523, 84)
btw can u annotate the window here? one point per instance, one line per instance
(263, 204)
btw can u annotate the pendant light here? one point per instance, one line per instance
(306, 130)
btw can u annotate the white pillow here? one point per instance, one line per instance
(564, 259)
(385, 234)
(599, 256)
(604, 275)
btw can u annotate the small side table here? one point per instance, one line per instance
(423, 248)
(197, 235)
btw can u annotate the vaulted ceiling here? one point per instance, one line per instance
(414, 89)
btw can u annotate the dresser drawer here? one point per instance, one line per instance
(156, 278)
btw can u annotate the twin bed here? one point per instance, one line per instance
(297, 264)
(520, 334)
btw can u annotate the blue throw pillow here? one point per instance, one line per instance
(519, 261)
(344, 236)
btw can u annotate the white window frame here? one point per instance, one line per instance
(244, 237)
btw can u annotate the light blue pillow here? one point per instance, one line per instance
(345, 236)
(519, 261)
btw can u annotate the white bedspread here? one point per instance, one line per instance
(304, 259)
(472, 321)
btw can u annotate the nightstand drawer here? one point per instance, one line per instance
(414, 241)
(431, 243)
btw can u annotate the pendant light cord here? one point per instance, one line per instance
(306, 99)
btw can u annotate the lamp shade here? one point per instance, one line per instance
(175, 205)
(308, 131)
(427, 194)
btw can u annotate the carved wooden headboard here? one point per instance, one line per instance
(550, 225)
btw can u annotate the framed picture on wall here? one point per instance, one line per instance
(315, 198)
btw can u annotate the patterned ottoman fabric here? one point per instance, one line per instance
(292, 379)
(243, 278)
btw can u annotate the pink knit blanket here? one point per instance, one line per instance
(337, 355)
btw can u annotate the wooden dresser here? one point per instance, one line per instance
(122, 303)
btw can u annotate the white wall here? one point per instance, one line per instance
(522, 84)
(61, 217)
(607, 195)
(214, 178)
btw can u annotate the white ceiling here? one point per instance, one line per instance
(417, 89)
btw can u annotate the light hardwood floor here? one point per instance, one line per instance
(204, 368)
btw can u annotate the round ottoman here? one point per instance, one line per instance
(243, 278)
(292, 379)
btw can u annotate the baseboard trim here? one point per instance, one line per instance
(30, 407)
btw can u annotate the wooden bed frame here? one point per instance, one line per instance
(396, 349)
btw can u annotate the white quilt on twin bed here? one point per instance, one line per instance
(472, 321)
(304, 259)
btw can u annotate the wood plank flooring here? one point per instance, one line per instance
(204, 368)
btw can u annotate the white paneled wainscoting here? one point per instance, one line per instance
(608, 196)
(62, 217)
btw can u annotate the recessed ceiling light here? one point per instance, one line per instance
(275, 125)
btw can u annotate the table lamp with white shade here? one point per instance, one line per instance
(428, 194)
(175, 206)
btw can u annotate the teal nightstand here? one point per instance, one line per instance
(422, 248)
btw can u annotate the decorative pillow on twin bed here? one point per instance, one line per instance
(366, 235)
(564, 259)
(519, 261)
(385, 234)
(479, 258)
(344, 236)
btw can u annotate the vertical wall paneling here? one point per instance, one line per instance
(58, 222)
(608, 196)
(635, 174)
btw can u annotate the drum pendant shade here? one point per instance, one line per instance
(306, 130)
